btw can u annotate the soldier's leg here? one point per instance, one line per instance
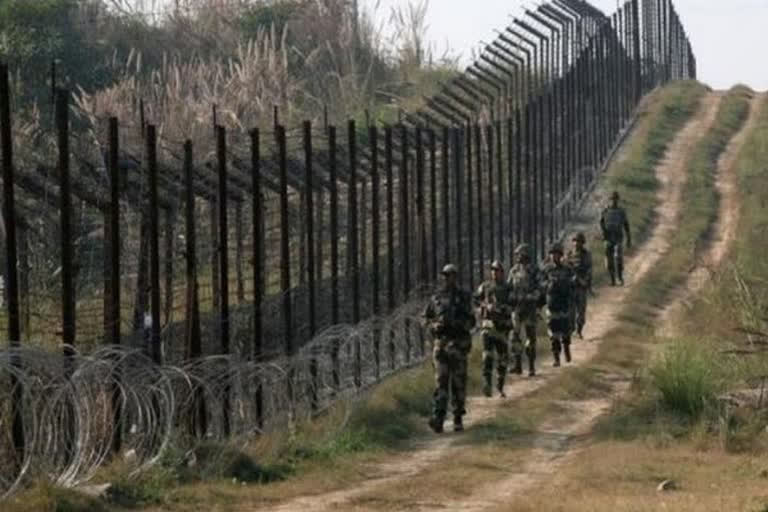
(501, 367)
(567, 347)
(516, 344)
(620, 262)
(610, 262)
(580, 308)
(458, 388)
(530, 346)
(440, 395)
(488, 349)
(554, 338)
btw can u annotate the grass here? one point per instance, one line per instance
(670, 426)
(333, 451)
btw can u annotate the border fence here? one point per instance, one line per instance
(236, 283)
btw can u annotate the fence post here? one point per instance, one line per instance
(334, 219)
(353, 270)
(12, 291)
(405, 241)
(154, 246)
(501, 255)
(199, 419)
(285, 255)
(373, 140)
(112, 282)
(309, 210)
(445, 177)
(421, 208)
(470, 211)
(67, 267)
(421, 227)
(457, 161)
(492, 212)
(390, 237)
(433, 203)
(479, 161)
(257, 228)
(239, 235)
(223, 250)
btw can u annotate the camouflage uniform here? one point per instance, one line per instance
(580, 261)
(557, 284)
(524, 293)
(614, 223)
(492, 298)
(450, 318)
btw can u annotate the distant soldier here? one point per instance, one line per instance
(580, 261)
(524, 293)
(557, 283)
(492, 301)
(450, 318)
(614, 224)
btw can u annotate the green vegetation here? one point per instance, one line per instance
(690, 373)
(633, 176)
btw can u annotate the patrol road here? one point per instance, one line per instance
(408, 483)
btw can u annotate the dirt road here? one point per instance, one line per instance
(551, 445)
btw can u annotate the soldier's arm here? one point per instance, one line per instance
(602, 222)
(479, 297)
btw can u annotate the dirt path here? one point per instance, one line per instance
(724, 230)
(551, 444)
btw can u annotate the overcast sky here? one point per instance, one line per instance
(730, 38)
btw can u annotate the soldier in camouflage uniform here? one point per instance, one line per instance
(450, 318)
(524, 293)
(557, 284)
(492, 300)
(614, 223)
(580, 261)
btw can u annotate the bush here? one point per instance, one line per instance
(688, 378)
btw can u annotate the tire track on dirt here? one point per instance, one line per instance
(551, 443)
(545, 458)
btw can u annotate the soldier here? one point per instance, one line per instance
(557, 282)
(450, 318)
(524, 293)
(614, 223)
(492, 299)
(580, 261)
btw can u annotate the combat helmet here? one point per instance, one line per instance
(579, 237)
(496, 265)
(450, 268)
(523, 249)
(615, 195)
(556, 248)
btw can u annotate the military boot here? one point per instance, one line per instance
(556, 348)
(518, 369)
(531, 366)
(578, 331)
(500, 387)
(487, 387)
(620, 272)
(458, 426)
(436, 424)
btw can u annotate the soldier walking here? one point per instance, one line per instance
(580, 261)
(492, 300)
(557, 283)
(450, 318)
(524, 293)
(614, 224)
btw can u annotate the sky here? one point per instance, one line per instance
(729, 38)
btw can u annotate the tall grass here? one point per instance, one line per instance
(688, 377)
